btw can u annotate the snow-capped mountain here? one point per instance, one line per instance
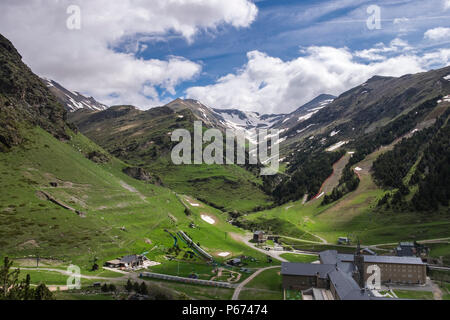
(305, 112)
(73, 100)
(225, 118)
(247, 120)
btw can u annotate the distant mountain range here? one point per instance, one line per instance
(82, 180)
(234, 119)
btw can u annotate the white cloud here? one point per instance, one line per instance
(440, 33)
(437, 58)
(85, 60)
(400, 20)
(380, 50)
(446, 4)
(270, 85)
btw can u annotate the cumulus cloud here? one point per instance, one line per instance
(90, 60)
(437, 34)
(437, 59)
(270, 85)
(446, 4)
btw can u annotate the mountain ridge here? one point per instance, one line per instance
(73, 100)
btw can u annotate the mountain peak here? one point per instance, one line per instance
(321, 99)
(73, 100)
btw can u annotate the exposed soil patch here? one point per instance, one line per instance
(131, 189)
(49, 197)
(332, 181)
(29, 244)
(208, 218)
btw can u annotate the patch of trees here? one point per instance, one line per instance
(307, 177)
(385, 174)
(349, 182)
(391, 168)
(150, 293)
(11, 288)
(432, 174)
(393, 130)
(136, 287)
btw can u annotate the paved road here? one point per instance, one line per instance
(239, 288)
(271, 253)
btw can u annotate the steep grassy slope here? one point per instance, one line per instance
(122, 215)
(142, 138)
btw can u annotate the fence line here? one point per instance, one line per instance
(186, 280)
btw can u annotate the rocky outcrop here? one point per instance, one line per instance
(141, 174)
(98, 157)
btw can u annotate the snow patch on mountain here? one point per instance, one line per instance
(307, 116)
(333, 133)
(337, 146)
(73, 101)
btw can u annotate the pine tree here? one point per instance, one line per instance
(9, 280)
(136, 287)
(43, 293)
(143, 289)
(129, 286)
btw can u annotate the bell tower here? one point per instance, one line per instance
(358, 260)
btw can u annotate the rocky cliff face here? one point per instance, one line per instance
(24, 100)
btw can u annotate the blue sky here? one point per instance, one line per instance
(266, 56)
(283, 27)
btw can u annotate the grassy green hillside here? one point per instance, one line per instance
(142, 138)
(122, 215)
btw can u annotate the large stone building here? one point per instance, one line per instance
(346, 275)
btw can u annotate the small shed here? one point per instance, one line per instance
(113, 263)
(258, 236)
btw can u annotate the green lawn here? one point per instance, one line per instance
(293, 295)
(183, 269)
(445, 287)
(47, 277)
(266, 286)
(292, 257)
(416, 295)
(251, 295)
